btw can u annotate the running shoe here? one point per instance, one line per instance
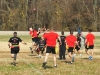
(44, 65)
(30, 48)
(89, 57)
(13, 63)
(55, 66)
(71, 62)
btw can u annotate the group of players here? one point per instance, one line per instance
(49, 40)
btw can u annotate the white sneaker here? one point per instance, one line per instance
(81, 55)
(41, 56)
(74, 55)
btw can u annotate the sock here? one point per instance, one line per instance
(15, 56)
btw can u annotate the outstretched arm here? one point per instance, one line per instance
(24, 43)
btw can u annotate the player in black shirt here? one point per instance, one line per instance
(78, 46)
(13, 43)
(62, 46)
(41, 47)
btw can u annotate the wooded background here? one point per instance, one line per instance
(61, 14)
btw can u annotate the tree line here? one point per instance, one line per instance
(60, 14)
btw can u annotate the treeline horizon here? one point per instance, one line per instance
(19, 15)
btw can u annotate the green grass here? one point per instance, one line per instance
(5, 38)
(31, 65)
(27, 38)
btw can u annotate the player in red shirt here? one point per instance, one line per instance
(71, 41)
(34, 34)
(89, 44)
(50, 38)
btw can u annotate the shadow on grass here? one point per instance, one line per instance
(85, 58)
(65, 61)
(47, 67)
(32, 55)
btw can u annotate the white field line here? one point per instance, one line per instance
(36, 70)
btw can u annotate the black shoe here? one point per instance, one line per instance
(64, 58)
(13, 63)
(31, 52)
(60, 58)
(44, 65)
(30, 48)
(55, 66)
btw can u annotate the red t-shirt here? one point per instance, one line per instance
(51, 38)
(31, 33)
(90, 39)
(70, 40)
(34, 33)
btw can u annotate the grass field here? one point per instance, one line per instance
(31, 65)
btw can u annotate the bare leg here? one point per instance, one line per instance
(91, 52)
(46, 57)
(14, 59)
(54, 57)
(45, 61)
(88, 52)
(71, 55)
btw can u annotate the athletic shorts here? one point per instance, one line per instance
(70, 49)
(77, 48)
(50, 49)
(90, 47)
(41, 48)
(15, 50)
(35, 39)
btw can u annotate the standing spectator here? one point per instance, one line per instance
(62, 46)
(70, 42)
(89, 44)
(50, 38)
(82, 41)
(14, 45)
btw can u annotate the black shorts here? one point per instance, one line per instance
(77, 48)
(89, 47)
(41, 48)
(50, 49)
(70, 49)
(35, 39)
(15, 50)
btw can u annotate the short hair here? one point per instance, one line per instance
(51, 28)
(90, 30)
(71, 32)
(62, 32)
(15, 32)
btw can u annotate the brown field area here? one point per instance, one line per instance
(31, 65)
